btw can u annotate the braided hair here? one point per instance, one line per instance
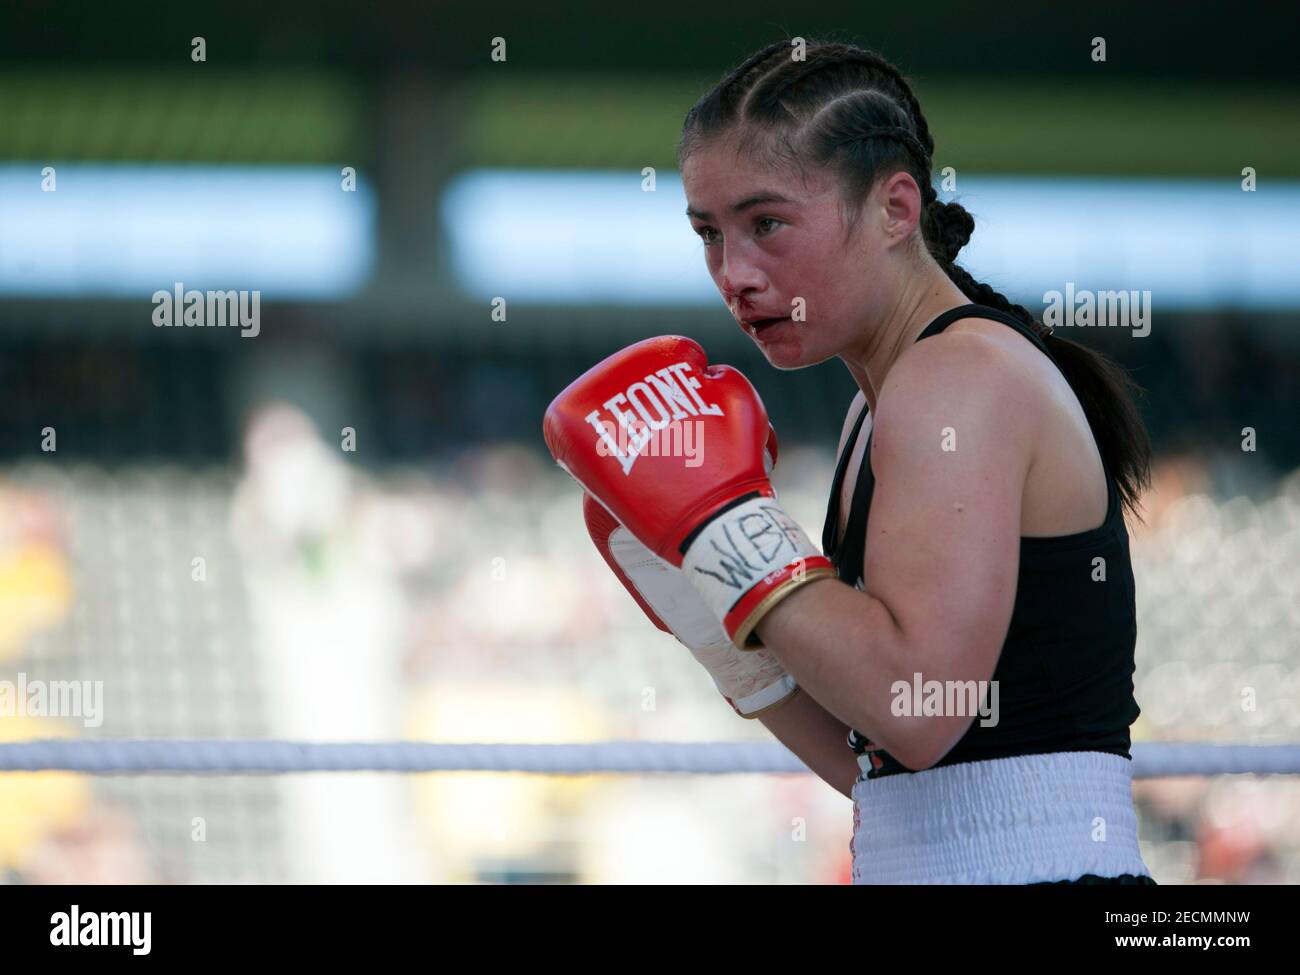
(852, 112)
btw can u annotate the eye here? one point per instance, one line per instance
(769, 220)
(704, 235)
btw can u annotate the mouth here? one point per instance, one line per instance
(757, 326)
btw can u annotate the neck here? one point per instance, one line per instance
(915, 307)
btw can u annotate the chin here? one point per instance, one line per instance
(788, 356)
(785, 363)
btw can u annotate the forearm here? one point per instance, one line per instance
(817, 737)
(846, 651)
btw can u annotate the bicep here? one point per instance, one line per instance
(943, 536)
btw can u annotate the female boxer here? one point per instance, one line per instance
(969, 628)
(977, 511)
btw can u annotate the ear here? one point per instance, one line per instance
(899, 199)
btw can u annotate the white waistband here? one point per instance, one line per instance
(1004, 821)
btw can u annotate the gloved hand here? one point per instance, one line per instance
(717, 520)
(750, 682)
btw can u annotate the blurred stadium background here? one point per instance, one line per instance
(436, 583)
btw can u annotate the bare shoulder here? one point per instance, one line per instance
(975, 370)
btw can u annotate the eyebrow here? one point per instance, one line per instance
(742, 206)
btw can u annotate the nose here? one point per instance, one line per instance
(739, 280)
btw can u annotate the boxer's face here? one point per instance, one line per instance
(775, 245)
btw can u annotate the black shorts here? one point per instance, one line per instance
(1126, 879)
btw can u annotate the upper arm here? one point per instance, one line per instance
(950, 453)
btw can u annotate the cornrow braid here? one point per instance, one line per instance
(721, 105)
(875, 62)
(788, 82)
(792, 83)
(901, 134)
(985, 294)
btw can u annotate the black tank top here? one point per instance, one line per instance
(1065, 672)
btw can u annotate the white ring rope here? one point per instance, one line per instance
(211, 756)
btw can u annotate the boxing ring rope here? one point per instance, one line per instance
(237, 757)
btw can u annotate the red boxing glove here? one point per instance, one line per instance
(712, 513)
